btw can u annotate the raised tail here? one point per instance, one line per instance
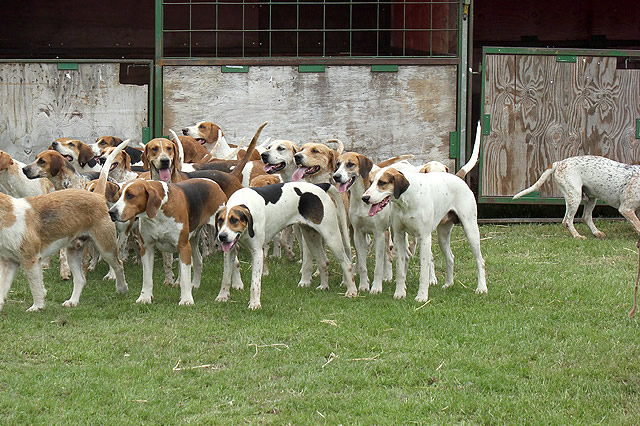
(180, 161)
(474, 155)
(101, 186)
(536, 186)
(237, 170)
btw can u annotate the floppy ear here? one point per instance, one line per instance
(154, 200)
(5, 161)
(365, 166)
(56, 164)
(295, 149)
(112, 192)
(332, 160)
(116, 141)
(144, 158)
(176, 164)
(127, 161)
(249, 217)
(85, 155)
(215, 222)
(400, 185)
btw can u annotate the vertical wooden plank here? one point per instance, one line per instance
(497, 157)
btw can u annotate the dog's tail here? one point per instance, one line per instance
(340, 149)
(101, 186)
(237, 170)
(393, 160)
(343, 221)
(180, 161)
(543, 178)
(474, 155)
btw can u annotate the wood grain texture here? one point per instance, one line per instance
(42, 103)
(377, 114)
(559, 110)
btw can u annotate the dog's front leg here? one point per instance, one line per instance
(380, 245)
(228, 266)
(74, 256)
(196, 257)
(402, 257)
(8, 271)
(146, 295)
(167, 264)
(360, 242)
(425, 268)
(33, 271)
(257, 258)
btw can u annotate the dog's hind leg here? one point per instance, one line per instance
(106, 244)
(444, 241)
(8, 271)
(572, 199)
(587, 216)
(74, 256)
(402, 258)
(65, 272)
(317, 250)
(426, 258)
(360, 242)
(472, 232)
(196, 259)
(167, 265)
(228, 266)
(336, 246)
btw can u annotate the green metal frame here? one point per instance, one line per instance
(562, 55)
(72, 64)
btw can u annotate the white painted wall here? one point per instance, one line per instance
(40, 103)
(377, 114)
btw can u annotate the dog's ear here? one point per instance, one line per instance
(217, 216)
(112, 192)
(154, 200)
(176, 164)
(116, 141)
(332, 160)
(5, 160)
(249, 217)
(295, 149)
(56, 164)
(365, 166)
(127, 161)
(85, 155)
(400, 184)
(145, 158)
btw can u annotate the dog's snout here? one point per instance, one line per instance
(54, 144)
(298, 158)
(366, 198)
(113, 215)
(185, 131)
(165, 163)
(264, 156)
(223, 237)
(336, 177)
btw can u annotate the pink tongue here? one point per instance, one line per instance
(227, 246)
(299, 173)
(342, 188)
(374, 209)
(269, 167)
(165, 175)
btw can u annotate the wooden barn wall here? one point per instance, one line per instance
(41, 103)
(377, 114)
(543, 111)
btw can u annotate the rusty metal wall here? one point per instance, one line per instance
(41, 103)
(380, 114)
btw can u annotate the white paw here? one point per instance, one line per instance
(122, 290)
(323, 287)
(422, 298)
(186, 302)
(376, 289)
(222, 298)
(144, 300)
(69, 304)
(481, 290)
(35, 308)
(351, 293)
(238, 285)
(446, 285)
(254, 305)
(363, 287)
(304, 283)
(110, 276)
(399, 295)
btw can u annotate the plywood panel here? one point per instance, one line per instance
(377, 114)
(42, 103)
(557, 110)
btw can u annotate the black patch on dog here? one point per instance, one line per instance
(324, 186)
(271, 193)
(248, 219)
(197, 194)
(134, 154)
(49, 216)
(310, 206)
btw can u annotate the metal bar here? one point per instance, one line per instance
(563, 51)
(289, 60)
(157, 70)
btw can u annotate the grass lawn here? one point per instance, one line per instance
(551, 343)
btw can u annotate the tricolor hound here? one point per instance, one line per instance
(35, 227)
(254, 215)
(424, 202)
(595, 177)
(78, 153)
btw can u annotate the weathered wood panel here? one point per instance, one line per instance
(42, 103)
(557, 110)
(377, 114)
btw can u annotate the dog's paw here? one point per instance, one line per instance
(35, 308)
(111, 275)
(237, 285)
(222, 297)
(422, 298)
(323, 287)
(65, 276)
(447, 285)
(253, 305)
(600, 235)
(376, 289)
(144, 300)
(579, 237)
(481, 290)
(186, 302)
(364, 288)
(70, 304)
(399, 295)
(304, 283)
(351, 293)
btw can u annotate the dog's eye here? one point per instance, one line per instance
(71, 144)
(381, 183)
(338, 165)
(154, 149)
(220, 221)
(281, 148)
(201, 126)
(350, 164)
(128, 195)
(233, 220)
(314, 151)
(40, 162)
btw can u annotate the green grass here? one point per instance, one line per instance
(551, 343)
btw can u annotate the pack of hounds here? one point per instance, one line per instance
(191, 194)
